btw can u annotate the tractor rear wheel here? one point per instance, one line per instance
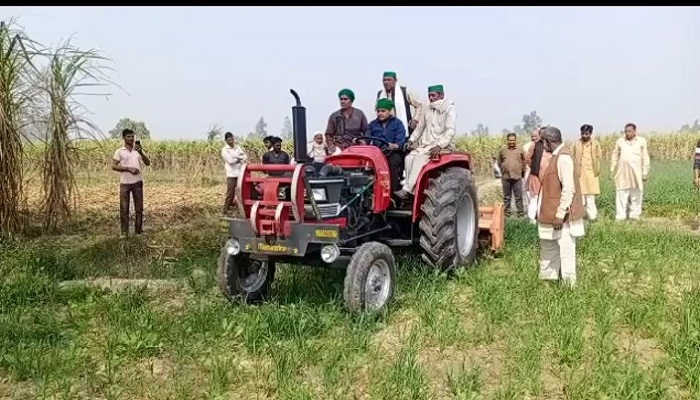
(242, 277)
(450, 220)
(369, 279)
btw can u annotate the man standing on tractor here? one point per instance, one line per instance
(407, 108)
(587, 154)
(388, 127)
(348, 123)
(511, 161)
(434, 133)
(276, 156)
(629, 168)
(560, 216)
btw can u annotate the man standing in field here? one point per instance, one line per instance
(538, 159)
(587, 155)
(629, 168)
(348, 123)
(233, 156)
(511, 161)
(434, 133)
(407, 107)
(388, 127)
(129, 160)
(560, 216)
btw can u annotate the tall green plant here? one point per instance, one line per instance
(69, 72)
(16, 103)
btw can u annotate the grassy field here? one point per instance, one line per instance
(152, 325)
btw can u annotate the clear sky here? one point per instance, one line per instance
(185, 68)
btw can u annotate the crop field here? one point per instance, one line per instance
(87, 315)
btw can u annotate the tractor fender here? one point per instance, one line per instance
(429, 170)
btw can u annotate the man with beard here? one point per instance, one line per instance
(435, 132)
(587, 155)
(348, 123)
(407, 107)
(560, 216)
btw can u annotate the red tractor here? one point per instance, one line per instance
(341, 214)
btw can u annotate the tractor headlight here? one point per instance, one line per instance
(233, 247)
(319, 194)
(330, 253)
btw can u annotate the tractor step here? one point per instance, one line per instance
(399, 213)
(398, 242)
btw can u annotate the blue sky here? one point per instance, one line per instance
(185, 68)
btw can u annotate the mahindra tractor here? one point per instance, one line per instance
(341, 214)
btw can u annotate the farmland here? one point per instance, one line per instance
(152, 324)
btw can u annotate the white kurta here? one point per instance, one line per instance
(436, 127)
(629, 165)
(558, 247)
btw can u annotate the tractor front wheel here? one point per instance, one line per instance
(369, 279)
(241, 277)
(450, 222)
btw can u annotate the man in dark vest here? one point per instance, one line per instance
(560, 212)
(408, 107)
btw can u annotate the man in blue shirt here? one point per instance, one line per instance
(391, 129)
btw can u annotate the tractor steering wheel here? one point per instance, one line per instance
(384, 144)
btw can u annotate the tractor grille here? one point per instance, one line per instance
(327, 210)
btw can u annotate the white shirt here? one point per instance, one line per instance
(233, 157)
(565, 171)
(129, 159)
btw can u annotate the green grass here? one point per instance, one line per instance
(630, 330)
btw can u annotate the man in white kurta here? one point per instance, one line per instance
(629, 168)
(560, 222)
(435, 132)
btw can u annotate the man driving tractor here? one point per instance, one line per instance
(435, 132)
(390, 129)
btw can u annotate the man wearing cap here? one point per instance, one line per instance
(391, 129)
(348, 123)
(407, 106)
(434, 133)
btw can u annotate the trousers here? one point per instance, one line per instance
(513, 188)
(126, 191)
(628, 201)
(558, 257)
(230, 193)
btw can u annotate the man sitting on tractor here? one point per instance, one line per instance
(391, 130)
(434, 134)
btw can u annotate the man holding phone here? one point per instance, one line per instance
(128, 160)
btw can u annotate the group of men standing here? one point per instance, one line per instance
(561, 186)
(629, 168)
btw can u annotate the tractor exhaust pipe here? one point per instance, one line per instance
(299, 128)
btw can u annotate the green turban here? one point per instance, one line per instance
(390, 74)
(347, 92)
(385, 104)
(436, 88)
